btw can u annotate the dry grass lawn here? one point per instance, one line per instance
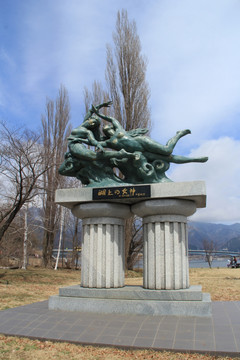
(15, 349)
(19, 287)
(223, 284)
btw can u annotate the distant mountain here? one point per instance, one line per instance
(224, 236)
(234, 244)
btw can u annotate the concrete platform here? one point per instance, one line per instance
(218, 335)
(133, 300)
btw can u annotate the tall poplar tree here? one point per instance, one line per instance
(126, 75)
(56, 128)
(129, 91)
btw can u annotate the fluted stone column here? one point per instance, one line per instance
(102, 261)
(165, 259)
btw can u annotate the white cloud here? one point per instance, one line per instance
(222, 176)
(194, 70)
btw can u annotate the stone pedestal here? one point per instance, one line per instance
(102, 262)
(166, 275)
(133, 300)
(165, 259)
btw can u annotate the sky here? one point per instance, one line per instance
(193, 72)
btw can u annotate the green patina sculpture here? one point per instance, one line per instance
(138, 158)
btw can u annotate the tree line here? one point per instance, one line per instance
(29, 161)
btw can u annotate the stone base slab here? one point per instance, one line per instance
(133, 300)
(194, 293)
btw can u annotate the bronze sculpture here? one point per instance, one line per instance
(131, 158)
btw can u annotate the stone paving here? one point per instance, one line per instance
(218, 334)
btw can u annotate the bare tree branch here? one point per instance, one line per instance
(21, 170)
(209, 247)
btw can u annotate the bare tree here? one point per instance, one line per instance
(136, 243)
(96, 95)
(11, 246)
(25, 239)
(22, 167)
(20, 240)
(76, 242)
(209, 248)
(126, 75)
(129, 91)
(56, 128)
(61, 215)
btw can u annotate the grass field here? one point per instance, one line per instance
(20, 287)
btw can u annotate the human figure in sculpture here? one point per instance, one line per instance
(117, 138)
(89, 130)
(89, 133)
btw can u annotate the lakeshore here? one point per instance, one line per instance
(196, 262)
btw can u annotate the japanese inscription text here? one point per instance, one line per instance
(122, 192)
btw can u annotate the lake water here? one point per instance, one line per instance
(193, 263)
(197, 263)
